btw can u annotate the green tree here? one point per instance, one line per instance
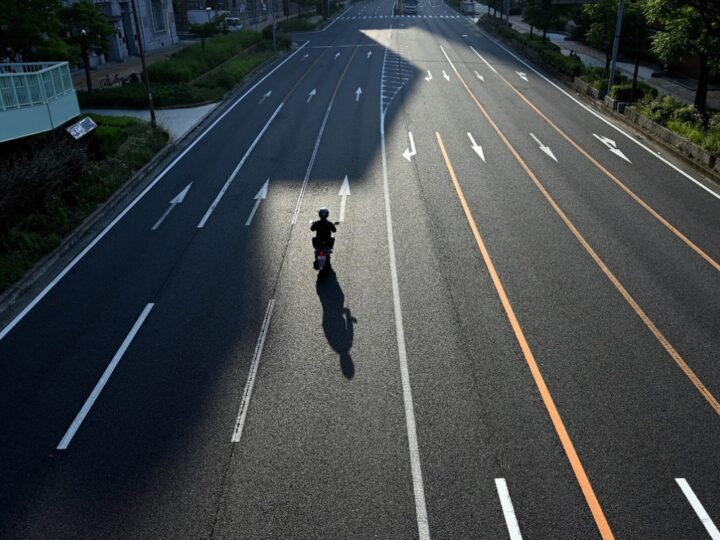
(31, 30)
(601, 30)
(635, 34)
(540, 14)
(688, 27)
(88, 30)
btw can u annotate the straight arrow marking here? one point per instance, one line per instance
(261, 196)
(480, 76)
(311, 94)
(344, 192)
(337, 55)
(544, 148)
(447, 77)
(475, 146)
(177, 200)
(369, 54)
(358, 93)
(410, 152)
(267, 95)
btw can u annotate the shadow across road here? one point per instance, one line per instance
(337, 322)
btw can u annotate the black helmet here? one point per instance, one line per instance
(323, 213)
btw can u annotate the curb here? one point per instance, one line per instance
(14, 299)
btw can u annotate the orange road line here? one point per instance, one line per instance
(686, 369)
(565, 440)
(615, 179)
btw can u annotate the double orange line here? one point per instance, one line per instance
(578, 469)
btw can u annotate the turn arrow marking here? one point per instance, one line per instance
(544, 148)
(522, 76)
(180, 197)
(612, 147)
(410, 152)
(475, 146)
(429, 76)
(261, 196)
(344, 192)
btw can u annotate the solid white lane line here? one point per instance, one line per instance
(237, 170)
(103, 380)
(483, 59)
(137, 199)
(599, 116)
(508, 510)
(247, 393)
(415, 466)
(699, 509)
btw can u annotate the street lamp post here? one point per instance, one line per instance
(616, 44)
(146, 78)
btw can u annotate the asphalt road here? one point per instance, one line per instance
(520, 336)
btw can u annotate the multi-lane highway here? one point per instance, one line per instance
(520, 337)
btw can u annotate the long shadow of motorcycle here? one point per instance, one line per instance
(338, 323)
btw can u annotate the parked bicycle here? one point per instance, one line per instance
(109, 81)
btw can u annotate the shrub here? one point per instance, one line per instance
(134, 96)
(232, 72)
(623, 92)
(298, 24)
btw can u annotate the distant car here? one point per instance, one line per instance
(232, 24)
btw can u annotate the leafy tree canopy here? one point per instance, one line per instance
(32, 30)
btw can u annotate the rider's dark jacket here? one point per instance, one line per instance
(323, 231)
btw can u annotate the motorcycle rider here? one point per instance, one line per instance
(323, 231)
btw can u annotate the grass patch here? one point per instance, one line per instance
(42, 213)
(193, 75)
(299, 24)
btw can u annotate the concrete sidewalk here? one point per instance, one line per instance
(684, 91)
(177, 122)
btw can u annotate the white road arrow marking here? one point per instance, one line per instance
(447, 77)
(358, 93)
(261, 195)
(344, 192)
(480, 76)
(522, 76)
(267, 95)
(311, 94)
(410, 152)
(612, 147)
(544, 148)
(475, 146)
(177, 200)
(337, 55)
(304, 57)
(429, 77)
(369, 54)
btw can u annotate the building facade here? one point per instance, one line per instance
(157, 27)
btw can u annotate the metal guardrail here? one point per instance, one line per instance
(33, 83)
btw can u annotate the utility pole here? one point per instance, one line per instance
(153, 121)
(616, 44)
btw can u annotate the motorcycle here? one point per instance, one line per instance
(323, 250)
